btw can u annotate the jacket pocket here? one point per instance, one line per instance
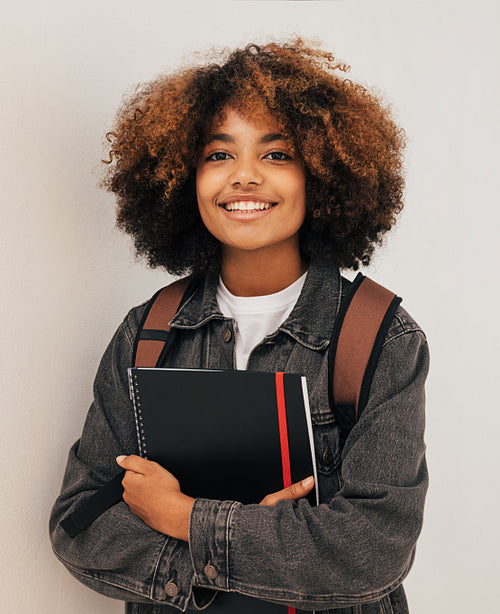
(327, 457)
(382, 606)
(146, 608)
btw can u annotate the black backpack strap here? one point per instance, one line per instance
(152, 341)
(108, 495)
(365, 315)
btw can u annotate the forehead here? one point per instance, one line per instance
(245, 122)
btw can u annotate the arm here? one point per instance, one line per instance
(154, 495)
(118, 555)
(358, 547)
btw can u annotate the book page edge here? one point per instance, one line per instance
(311, 435)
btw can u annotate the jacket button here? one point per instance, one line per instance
(171, 589)
(226, 335)
(328, 458)
(210, 571)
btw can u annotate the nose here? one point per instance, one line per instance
(245, 172)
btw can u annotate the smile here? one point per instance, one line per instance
(245, 206)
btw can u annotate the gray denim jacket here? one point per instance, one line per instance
(347, 555)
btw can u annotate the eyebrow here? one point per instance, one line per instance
(226, 138)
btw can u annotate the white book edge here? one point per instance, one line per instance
(311, 435)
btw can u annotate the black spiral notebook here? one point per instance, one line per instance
(227, 435)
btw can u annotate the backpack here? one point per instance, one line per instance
(364, 317)
(365, 314)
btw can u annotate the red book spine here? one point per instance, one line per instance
(283, 430)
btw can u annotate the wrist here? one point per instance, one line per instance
(181, 514)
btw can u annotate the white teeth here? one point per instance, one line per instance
(247, 205)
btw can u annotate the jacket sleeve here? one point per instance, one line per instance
(118, 555)
(361, 544)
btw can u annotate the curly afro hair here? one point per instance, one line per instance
(349, 143)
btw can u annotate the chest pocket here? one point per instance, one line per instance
(326, 445)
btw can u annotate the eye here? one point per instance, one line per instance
(217, 156)
(278, 156)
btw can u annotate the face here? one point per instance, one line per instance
(250, 186)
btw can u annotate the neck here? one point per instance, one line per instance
(260, 273)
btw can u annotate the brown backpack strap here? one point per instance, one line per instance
(154, 330)
(360, 329)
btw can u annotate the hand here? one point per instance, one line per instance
(295, 491)
(154, 495)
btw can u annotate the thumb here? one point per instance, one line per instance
(132, 463)
(294, 492)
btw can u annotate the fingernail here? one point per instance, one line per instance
(307, 482)
(120, 458)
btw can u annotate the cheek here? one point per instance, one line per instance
(208, 186)
(297, 179)
(200, 185)
(204, 197)
(203, 193)
(299, 187)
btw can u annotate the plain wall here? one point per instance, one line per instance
(68, 277)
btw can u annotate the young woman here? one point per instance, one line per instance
(261, 176)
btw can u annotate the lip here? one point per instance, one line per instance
(234, 198)
(246, 216)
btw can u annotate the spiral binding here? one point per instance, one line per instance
(136, 398)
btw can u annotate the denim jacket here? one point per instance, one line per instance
(349, 554)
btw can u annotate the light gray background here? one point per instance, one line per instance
(68, 277)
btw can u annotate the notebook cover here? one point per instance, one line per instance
(218, 433)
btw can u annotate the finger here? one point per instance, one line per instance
(294, 492)
(133, 463)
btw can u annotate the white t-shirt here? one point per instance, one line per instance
(256, 316)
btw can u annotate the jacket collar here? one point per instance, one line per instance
(310, 322)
